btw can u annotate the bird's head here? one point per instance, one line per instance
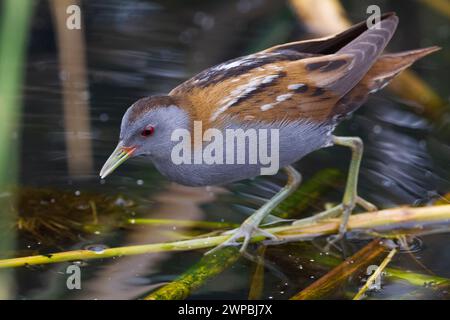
(146, 129)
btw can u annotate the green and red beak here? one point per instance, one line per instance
(119, 155)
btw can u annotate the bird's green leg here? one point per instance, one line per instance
(351, 197)
(250, 226)
(350, 193)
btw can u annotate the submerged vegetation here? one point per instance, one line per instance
(55, 218)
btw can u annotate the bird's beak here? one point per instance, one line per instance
(119, 155)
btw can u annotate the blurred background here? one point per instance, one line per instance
(63, 93)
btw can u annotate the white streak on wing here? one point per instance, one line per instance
(279, 99)
(284, 97)
(240, 62)
(269, 79)
(231, 65)
(295, 86)
(218, 112)
(242, 91)
(267, 106)
(250, 59)
(380, 87)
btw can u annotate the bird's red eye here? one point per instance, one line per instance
(148, 131)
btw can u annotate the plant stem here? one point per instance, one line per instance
(76, 110)
(183, 223)
(330, 281)
(388, 218)
(209, 266)
(440, 6)
(375, 275)
(257, 280)
(417, 279)
(397, 217)
(15, 19)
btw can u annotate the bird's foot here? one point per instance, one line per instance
(242, 236)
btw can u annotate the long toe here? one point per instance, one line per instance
(242, 237)
(232, 241)
(366, 204)
(236, 235)
(333, 239)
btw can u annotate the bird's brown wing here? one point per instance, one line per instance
(284, 84)
(281, 90)
(229, 84)
(300, 90)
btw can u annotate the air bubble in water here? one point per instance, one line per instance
(377, 129)
(96, 248)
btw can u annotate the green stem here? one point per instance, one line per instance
(416, 279)
(257, 280)
(375, 275)
(209, 266)
(183, 223)
(13, 38)
(397, 217)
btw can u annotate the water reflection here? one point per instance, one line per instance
(396, 155)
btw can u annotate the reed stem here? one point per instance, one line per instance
(393, 218)
(15, 19)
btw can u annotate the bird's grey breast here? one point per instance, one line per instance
(273, 145)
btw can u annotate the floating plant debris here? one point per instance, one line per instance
(54, 217)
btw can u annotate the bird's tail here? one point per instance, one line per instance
(386, 68)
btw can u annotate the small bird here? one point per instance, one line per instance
(303, 89)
